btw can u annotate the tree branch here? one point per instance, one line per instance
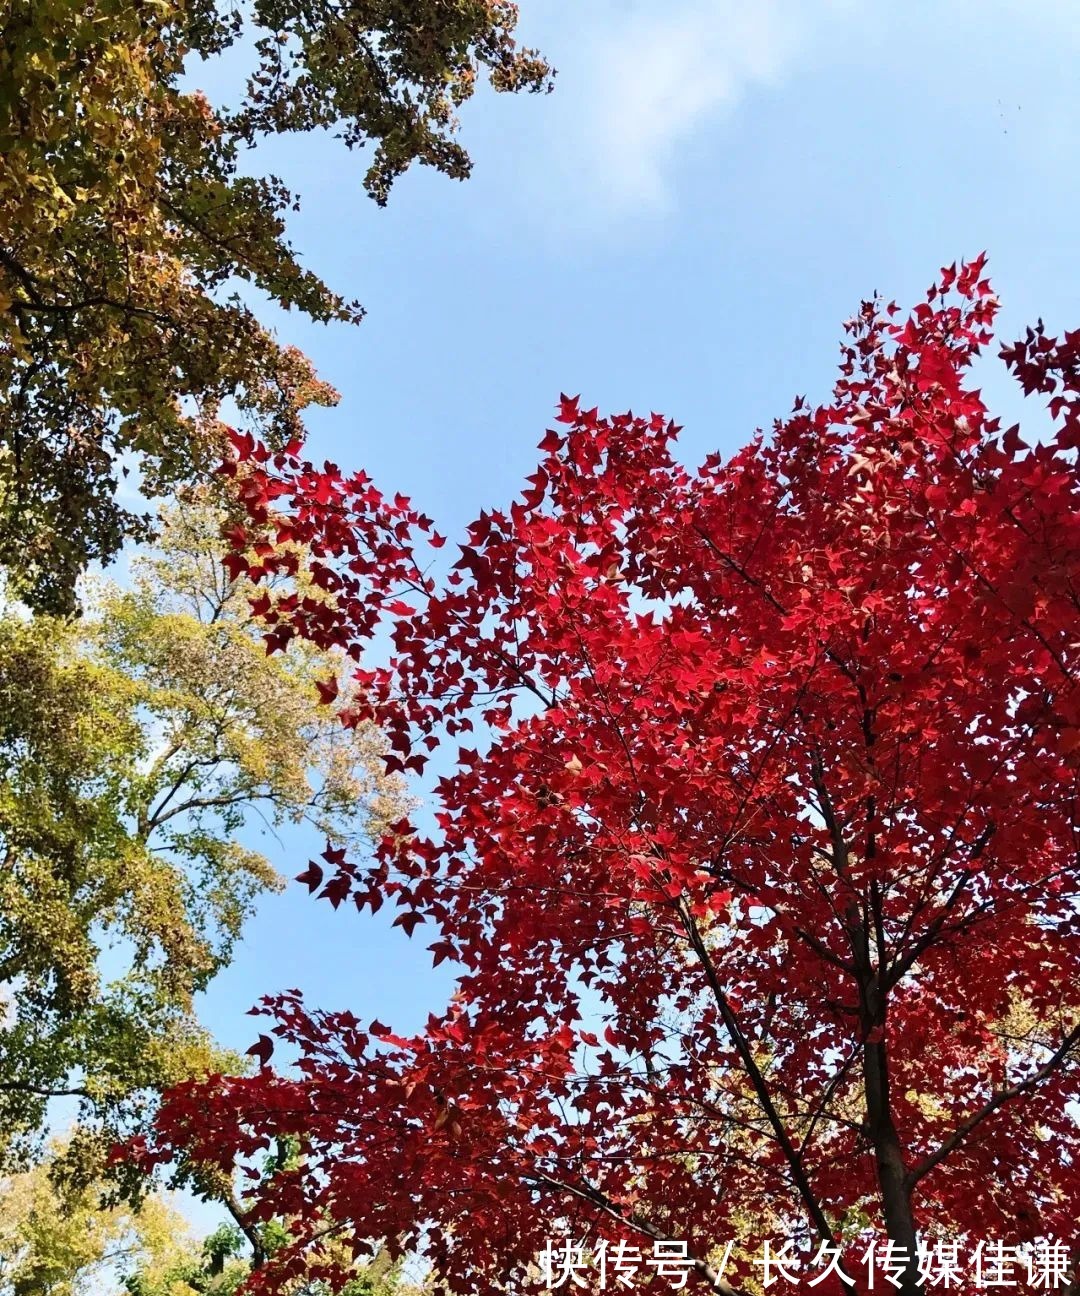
(997, 1101)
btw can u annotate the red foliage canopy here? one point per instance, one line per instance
(763, 878)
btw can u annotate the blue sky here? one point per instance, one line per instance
(681, 226)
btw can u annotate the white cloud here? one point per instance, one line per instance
(636, 80)
(657, 76)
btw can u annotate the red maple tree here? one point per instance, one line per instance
(762, 874)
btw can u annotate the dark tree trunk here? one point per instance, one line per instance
(889, 1156)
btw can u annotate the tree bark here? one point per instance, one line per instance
(889, 1153)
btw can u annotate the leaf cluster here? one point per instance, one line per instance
(131, 240)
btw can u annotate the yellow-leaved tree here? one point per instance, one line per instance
(142, 748)
(126, 225)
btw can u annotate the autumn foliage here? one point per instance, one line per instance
(125, 207)
(761, 869)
